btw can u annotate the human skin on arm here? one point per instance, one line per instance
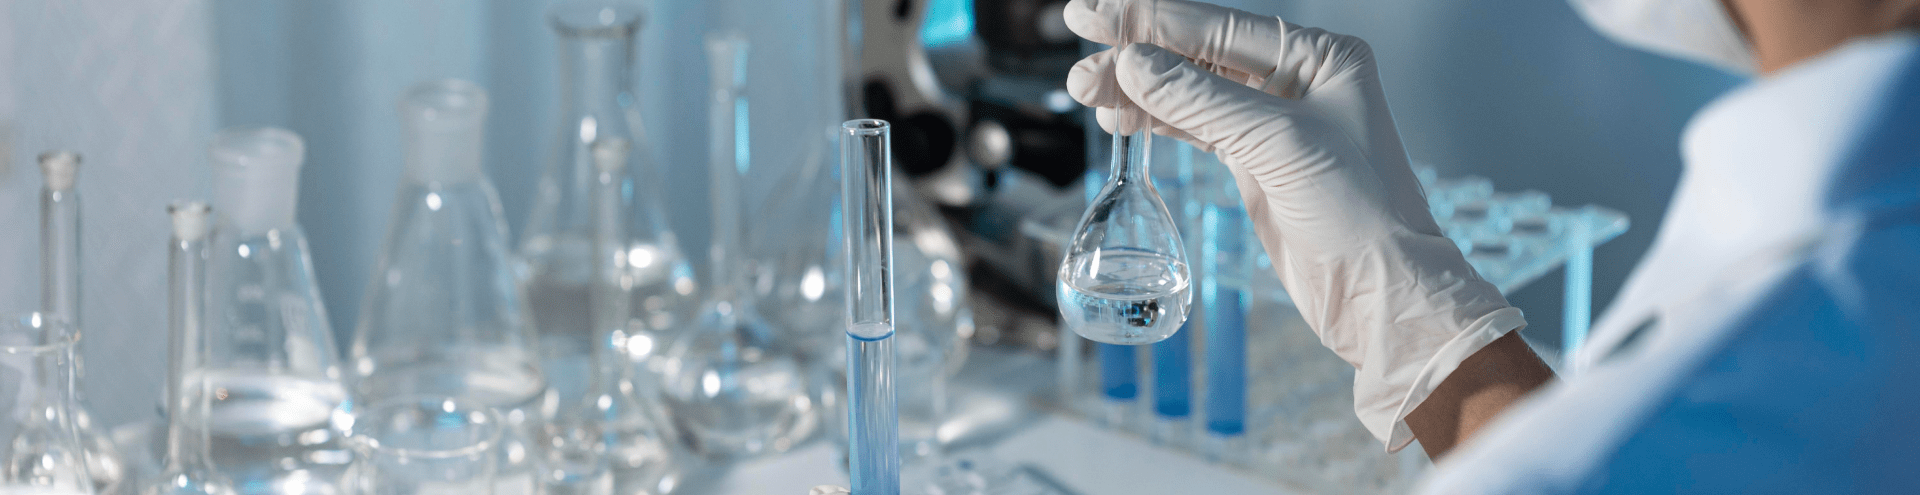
(1781, 33)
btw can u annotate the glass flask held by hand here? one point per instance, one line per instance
(1125, 278)
(271, 358)
(733, 384)
(60, 298)
(42, 444)
(444, 314)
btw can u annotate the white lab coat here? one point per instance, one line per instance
(1770, 341)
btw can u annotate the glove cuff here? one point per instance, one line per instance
(1389, 424)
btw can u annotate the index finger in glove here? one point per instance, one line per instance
(1207, 33)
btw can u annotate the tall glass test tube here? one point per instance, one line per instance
(873, 421)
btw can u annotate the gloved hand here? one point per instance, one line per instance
(1297, 114)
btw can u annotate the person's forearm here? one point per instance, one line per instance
(1484, 385)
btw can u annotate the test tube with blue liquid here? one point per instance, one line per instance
(873, 418)
(1225, 271)
(1172, 358)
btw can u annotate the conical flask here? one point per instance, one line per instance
(597, 102)
(1125, 278)
(444, 314)
(60, 298)
(42, 445)
(189, 465)
(733, 383)
(271, 351)
(606, 438)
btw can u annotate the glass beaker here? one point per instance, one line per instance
(60, 298)
(425, 445)
(1124, 279)
(597, 103)
(444, 314)
(42, 444)
(189, 463)
(733, 383)
(271, 359)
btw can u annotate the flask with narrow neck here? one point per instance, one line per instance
(1125, 278)
(733, 383)
(444, 313)
(597, 103)
(43, 446)
(605, 438)
(271, 350)
(60, 298)
(189, 465)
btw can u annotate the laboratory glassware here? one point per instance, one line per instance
(271, 354)
(1225, 269)
(597, 103)
(605, 439)
(41, 442)
(444, 314)
(1124, 279)
(425, 445)
(60, 298)
(590, 214)
(1119, 384)
(734, 384)
(874, 425)
(189, 462)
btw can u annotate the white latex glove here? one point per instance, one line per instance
(1298, 116)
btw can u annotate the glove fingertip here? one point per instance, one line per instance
(1083, 18)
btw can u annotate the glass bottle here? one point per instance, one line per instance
(60, 298)
(733, 383)
(1124, 279)
(597, 103)
(444, 314)
(271, 357)
(605, 439)
(189, 464)
(43, 446)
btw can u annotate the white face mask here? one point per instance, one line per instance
(1696, 30)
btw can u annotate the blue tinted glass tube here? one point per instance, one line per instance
(1173, 375)
(867, 222)
(1119, 379)
(1223, 228)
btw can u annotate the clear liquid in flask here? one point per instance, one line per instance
(1132, 297)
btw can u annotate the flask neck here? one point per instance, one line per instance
(60, 254)
(186, 397)
(445, 124)
(1130, 158)
(596, 80)
(730, 158)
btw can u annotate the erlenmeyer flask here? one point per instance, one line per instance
(271, 357)
(733, 383)
(60, 298)
(1125, 278)
(41, 443)
(597, 64)
(189, 464)
(444, 314)
(605, 438)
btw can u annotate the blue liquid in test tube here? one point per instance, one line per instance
(1172, 385)
(1119, 381)
(1224, 229)
(873, 421)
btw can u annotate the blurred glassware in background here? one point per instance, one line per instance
(605, 439)
(42, 444)
(425, 445)
(189, 462)
(598, 209)
(60, 298)
(275, 375)
(597, 102)
(444, 313)
(733, 383)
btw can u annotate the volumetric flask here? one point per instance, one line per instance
(444, 314)
(425, 445)
(189, 465)
(733, 383)
(41, 444)
(60, 298)
(1125, 278)
(271, 356)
